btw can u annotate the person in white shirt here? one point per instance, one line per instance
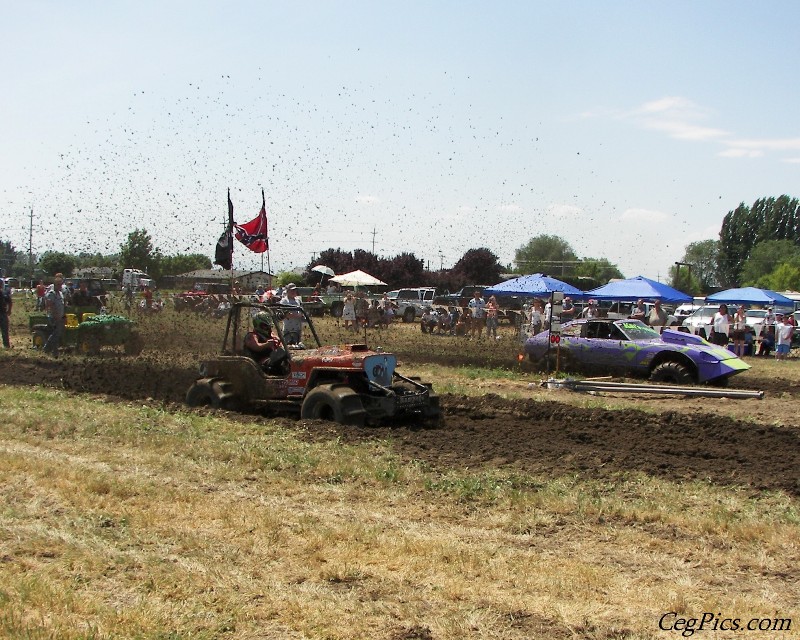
(477, 308)
(721, 326)
(783, 337)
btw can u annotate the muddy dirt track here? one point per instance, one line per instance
(528, 436)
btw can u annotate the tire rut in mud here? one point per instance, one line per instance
(545, 438)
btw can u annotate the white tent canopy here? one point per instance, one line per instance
(357, 278)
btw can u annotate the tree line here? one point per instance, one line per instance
(759, 245)
(138, 251)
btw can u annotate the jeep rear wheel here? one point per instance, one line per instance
(335, 403)
(199, 394)
(673, 372)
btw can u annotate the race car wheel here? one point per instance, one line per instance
(673, 372)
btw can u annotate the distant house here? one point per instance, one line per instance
(248, 280)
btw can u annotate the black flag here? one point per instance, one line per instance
(224, 253)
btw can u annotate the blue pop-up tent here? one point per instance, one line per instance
(638, 287)
(751, 295)
(536, 284)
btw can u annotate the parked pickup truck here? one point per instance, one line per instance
(410, 303)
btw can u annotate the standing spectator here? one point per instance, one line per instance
(349, 312)
(739, 331)
(536, 323)
(568, 310)
(592, 311)
(721, 326)
(55, 305)
(783, 337)
(362, 307)
(40, 291)
(147, 296)
(374, 315)
(293, 320)
(658, 317)
(5, 311)
(477, 308)
(639, 311)
(492, 319)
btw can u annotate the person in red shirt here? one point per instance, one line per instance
(40, 291)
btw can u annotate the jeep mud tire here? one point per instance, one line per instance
(199, 394)
(336, 403)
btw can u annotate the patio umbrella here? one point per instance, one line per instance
(536, 284)
(638, 287)
(325, 271)
(357, 278)
(751, 295)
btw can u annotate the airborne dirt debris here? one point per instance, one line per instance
(535, 436)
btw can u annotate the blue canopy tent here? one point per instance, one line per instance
(638, 287)
(536, 284)
(751, 295)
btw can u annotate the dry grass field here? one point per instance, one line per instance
(126, 515)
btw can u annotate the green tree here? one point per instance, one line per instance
(745, 227)
(476, 266)
(599, 269)
(698, 269)
(545, 254)
(8, 256)
(765, 257)
(175, 265)
(138, 252)
(785, 277)
(53, 262)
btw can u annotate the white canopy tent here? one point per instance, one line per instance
(357, 278)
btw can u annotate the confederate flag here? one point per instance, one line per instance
(253, 234)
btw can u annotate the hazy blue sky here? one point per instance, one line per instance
(627, 128)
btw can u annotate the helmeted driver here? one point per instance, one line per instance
(260, 344)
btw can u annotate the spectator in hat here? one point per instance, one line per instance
(292, 321)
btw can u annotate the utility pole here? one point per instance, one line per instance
(30, 246)
(374, 231)
(441, 260)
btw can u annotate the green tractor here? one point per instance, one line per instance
(87, 332)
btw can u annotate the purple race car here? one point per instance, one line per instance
(630, 346)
